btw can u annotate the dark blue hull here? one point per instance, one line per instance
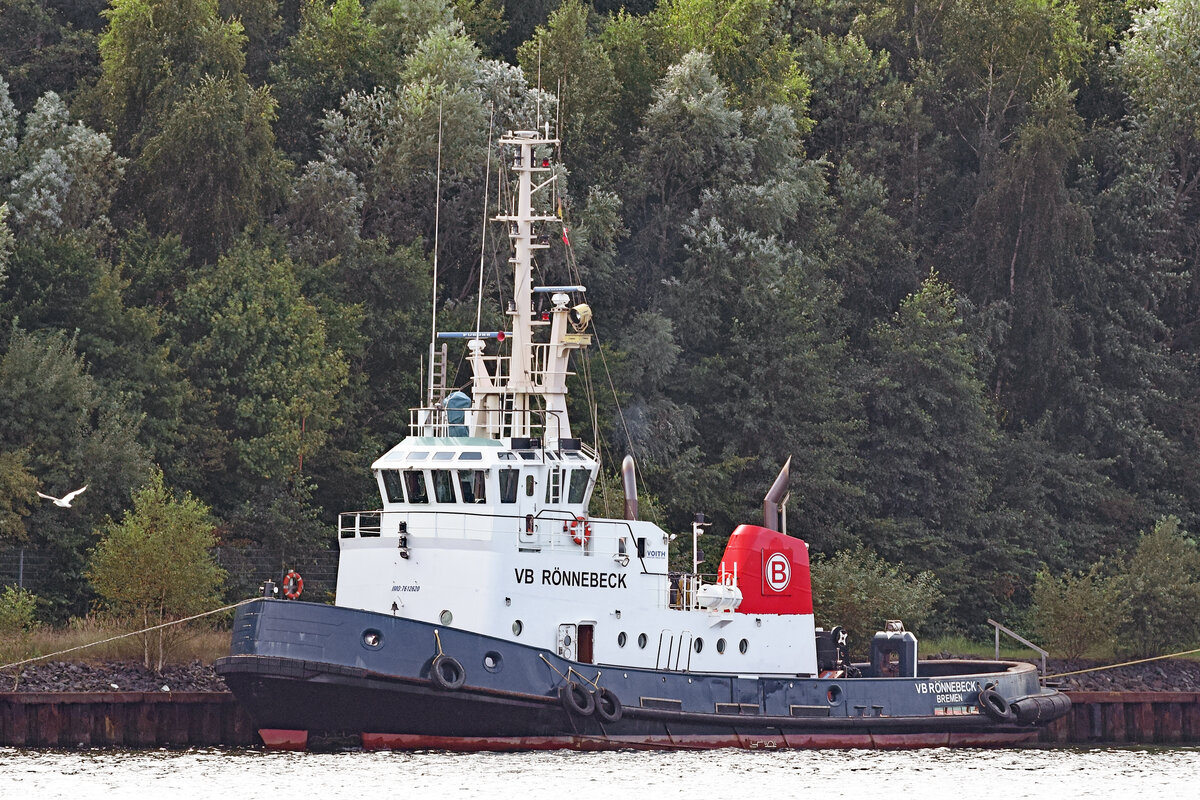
(310, 674)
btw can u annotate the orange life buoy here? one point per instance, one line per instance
(581, 530)
(293, 585)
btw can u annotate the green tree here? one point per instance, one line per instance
(632, 46)
(884, 152)
(263, 28)
(725, 220)
(483, 21)
(52, 409)
(572, 65)
(42, 50)
(155, 565)
(1160, 590)
(174, 92)
(18, 609)
(1076, 614)
(62, 283)
(18, 490)
(338, 49)
(929, 448)
(151, 53)
(388, 140)
(256, 350)
(62, 178)
(750, 51)
(212, 170)
(6, 243)
(996, 58)
(404, 23)
(860, 591)
(690, 141)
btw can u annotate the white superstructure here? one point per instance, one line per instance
(485, 525)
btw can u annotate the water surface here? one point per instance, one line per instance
(241, 774)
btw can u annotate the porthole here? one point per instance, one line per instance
(642, 640)
(834, 694)
(621, 639)
(492, 661)
(446, 617)
(699, 645)
(743, 646)
(720, 645)
(517, 627)
(372, 638)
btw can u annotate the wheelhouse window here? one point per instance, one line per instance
(579, 484)
(443, 486)
(472, 485)
(393, 486)
(510, 479)
(414, 484)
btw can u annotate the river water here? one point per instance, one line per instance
(240, 774)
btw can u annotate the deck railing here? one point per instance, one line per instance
(1020, 639)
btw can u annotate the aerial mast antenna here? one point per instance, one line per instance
(437, 209)
(487, 177)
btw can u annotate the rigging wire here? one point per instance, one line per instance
(1123, 664)
(575, 274)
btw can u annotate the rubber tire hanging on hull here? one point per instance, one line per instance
(576, 699)
(995, 706)
(446, 673)
(1032, 710)
(608, 707)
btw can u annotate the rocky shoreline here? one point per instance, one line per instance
(112, 676)
(1175, 675)
(1168, 675)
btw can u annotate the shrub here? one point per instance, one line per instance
(17, 607)
(1160, 590)
(859, 590)
(1075, 615)
(156, 566)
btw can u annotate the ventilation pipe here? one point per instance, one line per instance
(775, 498)
(628, 478)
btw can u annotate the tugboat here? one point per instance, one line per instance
(483, 608)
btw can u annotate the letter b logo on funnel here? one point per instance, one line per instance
(777, 573)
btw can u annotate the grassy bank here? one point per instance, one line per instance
(203, 644)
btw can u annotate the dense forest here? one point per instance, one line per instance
(944, 255)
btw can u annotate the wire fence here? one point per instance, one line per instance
(246, 571)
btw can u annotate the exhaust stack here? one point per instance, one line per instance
(630, 482)
(775, 498)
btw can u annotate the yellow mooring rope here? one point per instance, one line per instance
(1123, 664)
(125, 635)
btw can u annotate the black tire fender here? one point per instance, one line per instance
(608, 706)
(576, 699)
(993, 704)
(446, 673)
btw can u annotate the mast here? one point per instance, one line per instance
(535, 390)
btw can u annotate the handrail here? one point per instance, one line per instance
(1020, 639)
(435, 420)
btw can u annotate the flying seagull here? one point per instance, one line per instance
(65, 500)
